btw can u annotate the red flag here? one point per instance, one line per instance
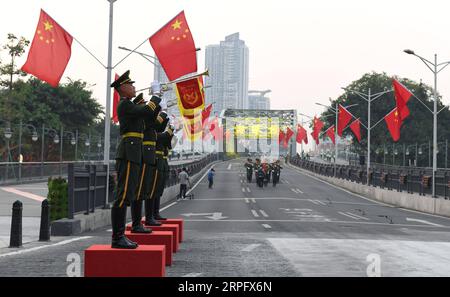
(402, 96)
(116, 100)
(175, 48)
(288, 135)
(49, 52)
(356, 128)
(281, 136)
(394, 123)
(344, 117)
(318, 125)
(206, 113)
(301, 135)
(190, 96)
(330, 133)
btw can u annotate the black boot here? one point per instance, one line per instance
(156, 214)
(149, 220)
(119, 240)
(136, 214)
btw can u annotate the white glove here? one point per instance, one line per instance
(156, 88)
(163, 104)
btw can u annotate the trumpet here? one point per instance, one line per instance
(167, 86)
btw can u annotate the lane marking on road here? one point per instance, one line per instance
(246, 200)
(348, 216)
(320, 202)
(424, 222)
(253, 200)
(193, 274)
(313, 202)
(251, 247)
(300, 191)
(255, 214)
(24, 194)
(358, 216)
(229, 167)
(64, 242)
(294, 190)
(109, 230)
(166, 207)
(264, 213)
(267, 226)
(286, 182)
(243, 190)
(248, 190)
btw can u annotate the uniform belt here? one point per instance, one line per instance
(133, 134)
(151, 143)
(159, 152)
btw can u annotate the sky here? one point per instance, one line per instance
(304, 51)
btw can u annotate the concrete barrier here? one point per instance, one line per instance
(426, 204)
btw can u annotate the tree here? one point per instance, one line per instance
(417, 128)
(16, 48)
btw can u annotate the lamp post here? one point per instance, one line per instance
(34, 138)
(87, 142)
(55, 140)
(8, 134)
(435, 69)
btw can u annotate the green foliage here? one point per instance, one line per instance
(58, 198)
(16, 48)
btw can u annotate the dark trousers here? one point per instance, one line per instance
(211, 182)
(127, 182)
(183, 189)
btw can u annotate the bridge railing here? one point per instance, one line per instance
(400, 179)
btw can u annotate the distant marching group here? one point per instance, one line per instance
(263, 172)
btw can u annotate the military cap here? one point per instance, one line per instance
(123, 79)
(162, 117)
(139, 99)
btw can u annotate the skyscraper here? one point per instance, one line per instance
(258, 100)
(228, 65)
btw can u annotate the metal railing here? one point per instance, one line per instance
(400, 179)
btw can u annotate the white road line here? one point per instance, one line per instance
(263, 213)
(192, 274)
(358, 216)
(320, 202)
(243, 190)
(166, 207)
(424, 222)
(246, 200)
(266, 226)
(286, 182)
(229, 167)
(348, 216)
(253, 200)
(248, 189)
(109, 230)
(294, 190)
(64, 242)
(299, 190)
(251, 247)
(313, 201)
(255, 214)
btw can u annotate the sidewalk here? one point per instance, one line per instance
(30, 230)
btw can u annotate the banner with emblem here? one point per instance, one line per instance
(190, 96)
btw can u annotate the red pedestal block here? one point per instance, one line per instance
(145, 261)
(155, 238)
(179, 222)
(165, 227)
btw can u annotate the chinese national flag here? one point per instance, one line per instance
(344, 117)
(318, 125)
(281, 136)
(356, 128)
(190, 96)
(174, 46)
(402, 96)
(206, 113)
(301, 135)
(330, 134)
(49, 52)
(116, 99)
(394, 123)
(288, 135)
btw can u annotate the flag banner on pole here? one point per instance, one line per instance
(175, 48)
(281, 137)
(302, 135)
(206, 113)
(50, 51)
(344, 117)
(317, 126)
(356, 129)
(190, 96)
(394, 122)
(288, 135)
(402, 96)
(330, 133)
(116, 100)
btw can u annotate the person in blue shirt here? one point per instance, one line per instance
(211, 174)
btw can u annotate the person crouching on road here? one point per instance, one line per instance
(183, 177)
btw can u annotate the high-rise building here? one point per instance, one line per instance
(228, 65)
(161, 76)
(257, 100)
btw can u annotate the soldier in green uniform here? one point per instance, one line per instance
(163, 144)
(129, 155)
(276, 172)
(249, 168)
(146, 173)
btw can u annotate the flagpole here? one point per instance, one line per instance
(369, 95)
(108, 98)
(336, 137)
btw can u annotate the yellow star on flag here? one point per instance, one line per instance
(176, 25)
(48, 26)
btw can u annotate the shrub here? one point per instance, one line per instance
(57, 198)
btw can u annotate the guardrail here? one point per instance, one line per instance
(87, 183)
(401, 179)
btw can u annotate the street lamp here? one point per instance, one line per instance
(435, 69)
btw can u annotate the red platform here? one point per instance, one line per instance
(155, 238)
(145, 261)
(179, 222)
(165, 227)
